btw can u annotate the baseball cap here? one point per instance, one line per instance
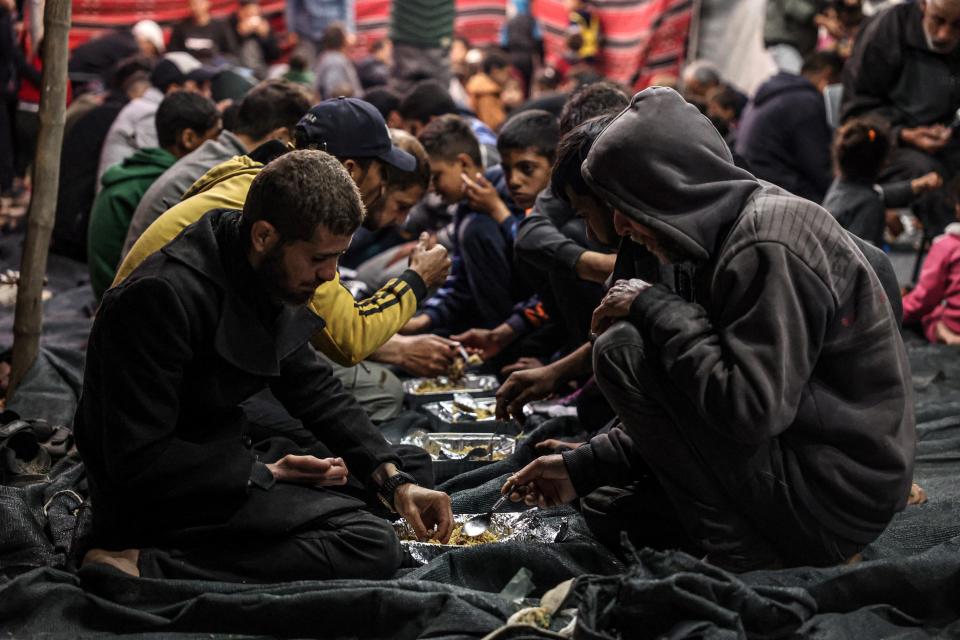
(352, 128)
(177, 67)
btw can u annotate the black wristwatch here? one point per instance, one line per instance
(389, 488)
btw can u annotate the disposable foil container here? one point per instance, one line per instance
(527, 526)
(463, 446)
(467, 414)
(418, 392)
(464, 408)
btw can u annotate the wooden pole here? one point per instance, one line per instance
(28, 321)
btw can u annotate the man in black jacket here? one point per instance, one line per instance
(769, 396)
(905, 68)
(783, 133)
(214, 317)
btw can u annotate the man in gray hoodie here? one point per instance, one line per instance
(768, 398)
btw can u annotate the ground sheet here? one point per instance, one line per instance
(907, 587)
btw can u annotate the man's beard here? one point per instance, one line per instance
(373, 219)
(273, 278)
(672, 252)
(938, 47)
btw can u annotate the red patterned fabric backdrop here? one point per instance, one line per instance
(93, 17)
(479, 20)
(642, 38)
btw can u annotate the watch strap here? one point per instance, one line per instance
(389, 488)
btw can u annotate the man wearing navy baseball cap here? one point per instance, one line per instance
(355, 133)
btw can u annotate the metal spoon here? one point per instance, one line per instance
(476, 525)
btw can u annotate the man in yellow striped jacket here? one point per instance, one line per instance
(355, 330)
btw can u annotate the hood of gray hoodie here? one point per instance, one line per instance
(662, 163)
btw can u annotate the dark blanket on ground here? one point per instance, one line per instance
(907, 586)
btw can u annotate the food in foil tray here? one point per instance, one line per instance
(459, 539)
(446, 384)
(464, 408)
(463, 446)
(528, 526)
(459, 367)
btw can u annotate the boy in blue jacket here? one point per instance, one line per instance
(478, 292)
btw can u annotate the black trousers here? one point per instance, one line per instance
(354, 540)
(351, 543)
(26, 129)
(906, 163)
(573, 301)
(734, 502)
(7, 151)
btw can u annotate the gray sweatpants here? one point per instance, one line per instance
(374, 386)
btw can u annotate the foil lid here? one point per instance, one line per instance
(463, 446)
(464, 408)
(469, 383)
(527, 526)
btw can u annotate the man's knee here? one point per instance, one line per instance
(912, 163)
(619, 356)
(377, 389)
(364, 546)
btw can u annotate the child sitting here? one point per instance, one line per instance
(935, 302)
(527, 146)
(478, 291)
(859, 204)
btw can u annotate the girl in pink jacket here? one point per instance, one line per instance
(935, 301)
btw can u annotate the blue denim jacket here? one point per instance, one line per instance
(309, 18)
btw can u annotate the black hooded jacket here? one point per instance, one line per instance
(791, 335)
(784, 136)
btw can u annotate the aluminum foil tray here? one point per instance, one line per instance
(485, 447)
(527, 526)
(463, 409)
(469, 383)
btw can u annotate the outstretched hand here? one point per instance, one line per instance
(427, 355)
(489, 342)
(927, 182)
(543, 483)
(523, 387)
(425, 510)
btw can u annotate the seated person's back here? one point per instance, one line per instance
(184, 121)
(855, 199)
(783, 132)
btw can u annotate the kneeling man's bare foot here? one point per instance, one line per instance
(125, 560)
(917, 495)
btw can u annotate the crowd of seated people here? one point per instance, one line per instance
(700, 273)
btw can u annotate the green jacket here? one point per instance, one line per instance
(123, 187)
(427, 24)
